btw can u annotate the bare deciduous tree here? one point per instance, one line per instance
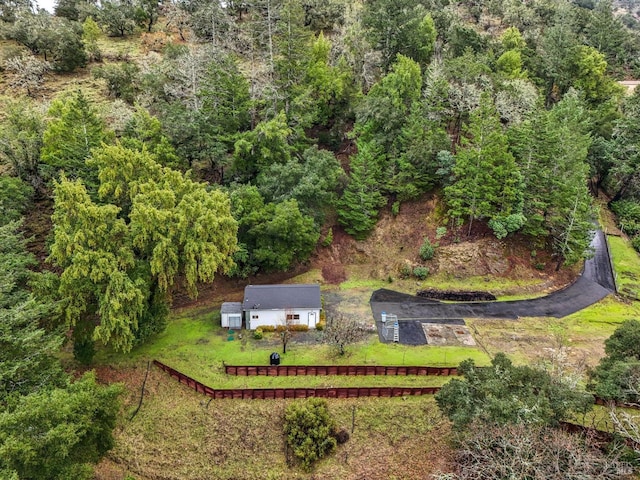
(625, 423)
(532, 452)
(29, 72)
(286, 328)
(342, 331)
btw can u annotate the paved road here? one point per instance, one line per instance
(595, 283)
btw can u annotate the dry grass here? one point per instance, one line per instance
(179, 434)
(580, 336)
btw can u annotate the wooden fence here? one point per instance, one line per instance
(318, 370)
(279, 393)
(599, 435)
(338, 392)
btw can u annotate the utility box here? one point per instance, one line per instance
(274, 359)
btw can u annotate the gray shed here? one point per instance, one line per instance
(231, 314)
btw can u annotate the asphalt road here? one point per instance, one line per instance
(595, 283)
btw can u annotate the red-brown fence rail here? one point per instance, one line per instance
(317, 370)
(339, 392)
(598, 435)
(278, 393)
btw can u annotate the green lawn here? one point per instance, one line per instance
(196, 345)
(626, 263)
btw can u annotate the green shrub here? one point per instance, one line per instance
(421, 272)
(257, 334)
(427, 250)
(328, 239)
(298, 328)
(320, 326)
(635, 242)
(440, 232)
(405, 272)
(309, 431)
(121, 80)
(628, 213)
(268, 328)
(504, 225)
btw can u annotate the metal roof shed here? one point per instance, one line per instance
(231, 315)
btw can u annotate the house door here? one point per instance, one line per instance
(312, 319)
(235, 321)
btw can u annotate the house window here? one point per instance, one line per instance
(293, 317)
(254, 316)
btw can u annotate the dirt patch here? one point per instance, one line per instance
(451, 335)
(481, 257)
(37, 228)
(334, 274)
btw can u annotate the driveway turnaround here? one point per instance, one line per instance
(595, 283)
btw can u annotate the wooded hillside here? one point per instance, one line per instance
(168, 143)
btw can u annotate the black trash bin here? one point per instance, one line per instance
(274, 358)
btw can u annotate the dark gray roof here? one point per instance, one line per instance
(231, 307)
(270, 297)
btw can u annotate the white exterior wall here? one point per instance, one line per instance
(308, 316)
(224, 318)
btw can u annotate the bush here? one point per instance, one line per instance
(617, 376)
(298, 328)
(421, 272)
(320, 326)
(440, 232)
(427, 250)
(504, 393)
(628, 213)
(309, 430)
(503, 226)
(328, 239)
(405, 272)
(268, 328)
(257, 334)
(121, 80)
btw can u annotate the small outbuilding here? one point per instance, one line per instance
(231, 315)
(275, 305)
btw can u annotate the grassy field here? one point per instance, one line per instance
(179, 435)
(578, 338)
(627, 267)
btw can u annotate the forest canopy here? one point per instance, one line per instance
(240, 134)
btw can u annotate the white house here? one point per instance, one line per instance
(278, 304)
(231, 315)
